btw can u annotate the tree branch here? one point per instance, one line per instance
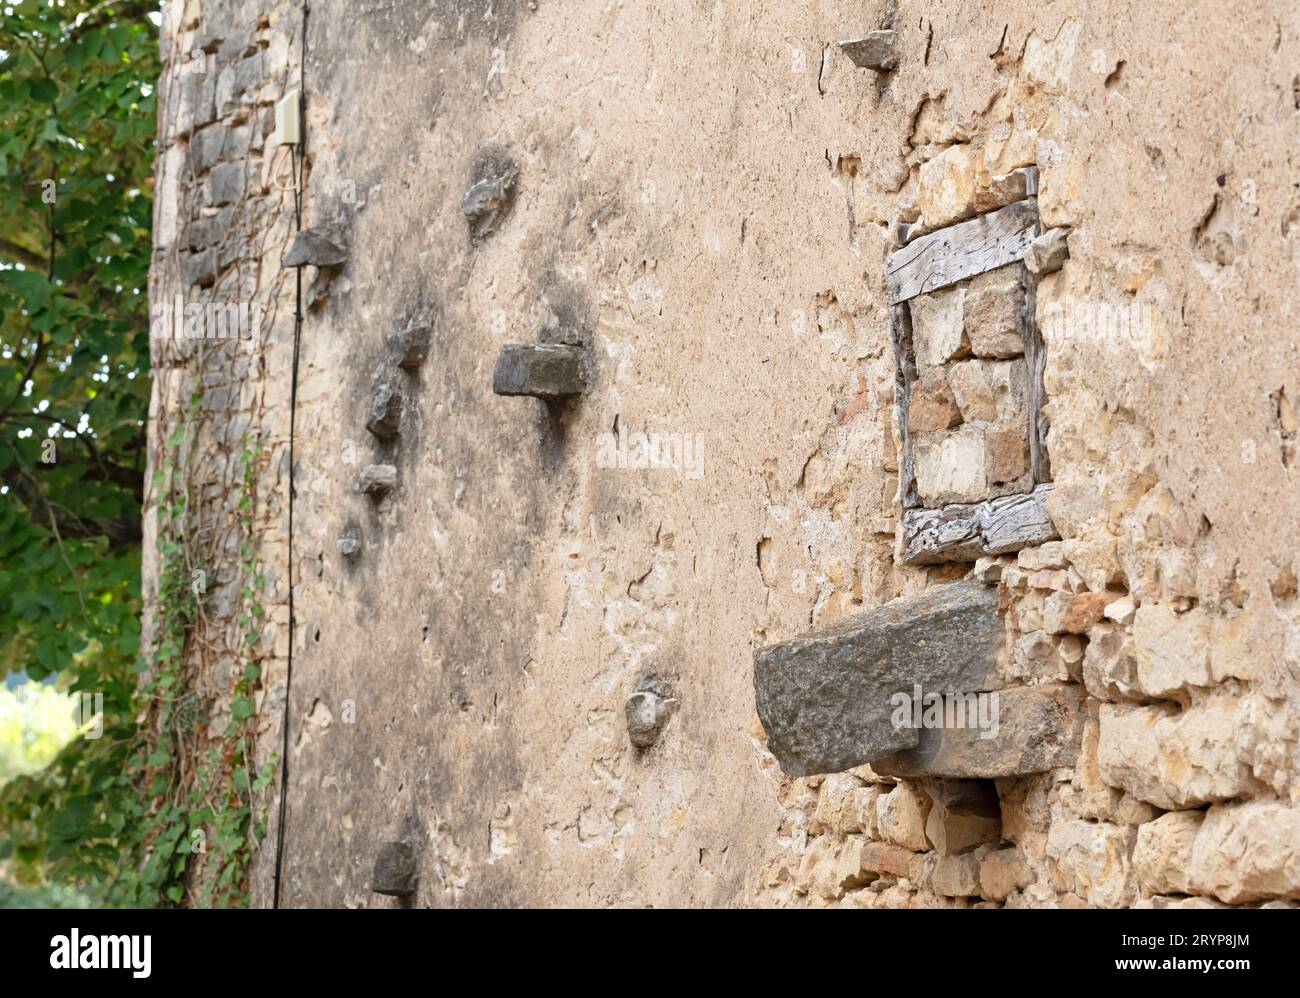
(37, 354)
(121, 531)
(14, 253)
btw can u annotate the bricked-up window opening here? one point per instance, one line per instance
(969, 383)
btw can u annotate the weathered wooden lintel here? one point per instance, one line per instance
(966, 531)
(959, 251)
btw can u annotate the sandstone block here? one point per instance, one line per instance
(826, 699)
(947, 185)
(1045, 556)
(1248, 852)
(998, 191)
(938, 333)
(1161, 903)
(950, 467)
(1092, 860)
(1109, 665)
(901, 815)
(991, 314)
(949, 876)
(991, 390)
(1048, 580)
(831, 867)
(1176, 759)
(857, 812)
(1172, 650)
(1038, 728)
(1003, 872)
(1162, 857)
(989, 570)
(1121, 611)
(878, 857)
(1074, 613)
(1008, 452)
(831, 799)
(932, 406)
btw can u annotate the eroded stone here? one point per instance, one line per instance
(384, 417)
(647, 713)
(875, 50)
(377, 480)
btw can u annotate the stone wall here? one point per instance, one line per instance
(531, 659)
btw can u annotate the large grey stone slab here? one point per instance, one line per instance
(315, 247)
(827, 698)
(542, 370)
(1038, 728)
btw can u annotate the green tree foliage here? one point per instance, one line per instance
(77, 124)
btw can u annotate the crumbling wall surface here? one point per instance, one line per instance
(702, 197)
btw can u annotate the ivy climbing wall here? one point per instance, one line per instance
(594, 395)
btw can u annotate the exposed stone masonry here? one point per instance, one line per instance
(523, 677)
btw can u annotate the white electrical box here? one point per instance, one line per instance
(288, 130)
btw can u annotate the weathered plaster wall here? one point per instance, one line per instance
(706, 194)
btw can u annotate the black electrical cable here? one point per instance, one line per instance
(296, 166)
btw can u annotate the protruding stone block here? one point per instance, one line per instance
(489, 199)
(1048, 252)
(313, 247)
(385, 414)
(543, 370)
(395, 870)
(412, 344)
(901, 817)
(647, 712)
(827, 698)
(1038, 728)
(377, 480)
(875, 50)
